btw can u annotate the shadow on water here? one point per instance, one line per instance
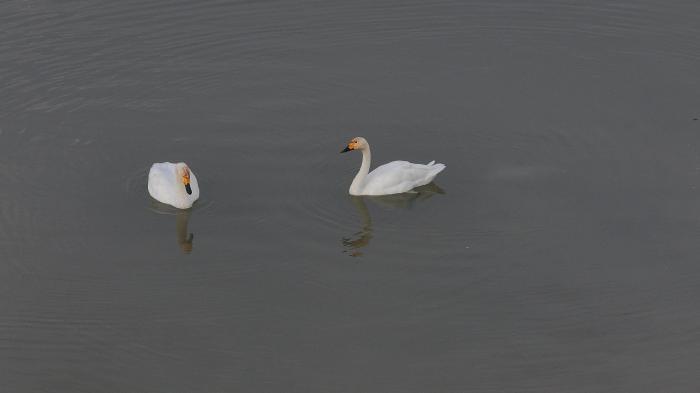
(182, 218)
(354, 244)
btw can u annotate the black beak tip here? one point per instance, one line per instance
(347, 149)
(188, 189)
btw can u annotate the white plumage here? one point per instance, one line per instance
(391, 178)
(169, 182)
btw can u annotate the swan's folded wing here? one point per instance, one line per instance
(158, 181)
(400, 176)
(195, 186)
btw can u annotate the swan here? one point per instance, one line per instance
(173, 183)
(391, 178)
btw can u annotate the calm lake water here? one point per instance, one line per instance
(559, 251)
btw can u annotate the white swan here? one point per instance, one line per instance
(173, 184)
(392, 178)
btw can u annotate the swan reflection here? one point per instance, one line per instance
(354, 244)
(359, 239)
(182, 219)
(184, 239)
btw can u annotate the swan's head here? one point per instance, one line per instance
(183, 172)
(358, 143)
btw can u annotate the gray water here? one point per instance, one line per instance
(558, 252)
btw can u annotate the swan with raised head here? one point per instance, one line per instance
(391, 178)
(173, 183)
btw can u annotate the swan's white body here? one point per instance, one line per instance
(166, 186)
(391, 178)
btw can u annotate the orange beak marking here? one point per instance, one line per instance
(186, 177)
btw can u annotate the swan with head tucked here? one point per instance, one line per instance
(173, 184)
(391, 178)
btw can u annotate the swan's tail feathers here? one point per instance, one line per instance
(434, 170)
(437, 168)
(430, 163)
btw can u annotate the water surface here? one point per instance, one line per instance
(557, 252)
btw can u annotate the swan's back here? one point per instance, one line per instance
(399, 176)
(161, 184)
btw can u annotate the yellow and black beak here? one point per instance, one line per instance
(186, 182)
(351, 146)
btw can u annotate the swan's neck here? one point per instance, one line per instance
(359, 179)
